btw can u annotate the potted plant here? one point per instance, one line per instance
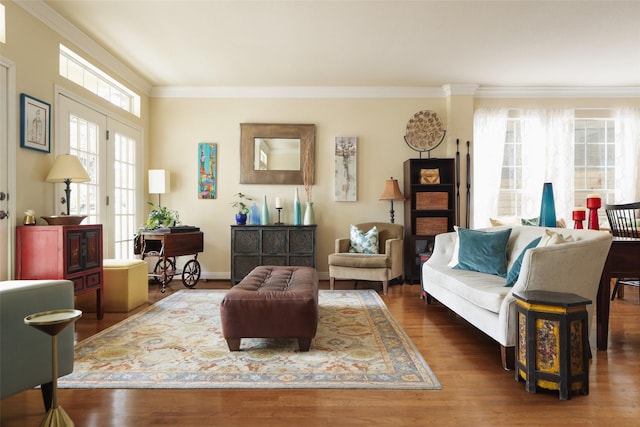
(161, 217)
(241, 207)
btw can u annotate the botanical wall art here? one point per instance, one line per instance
(35, 123)
(208, 170)
(346, 169)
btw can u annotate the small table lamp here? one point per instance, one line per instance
(159, 182)
(67, 168)
(391, 192)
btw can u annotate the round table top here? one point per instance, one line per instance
(53, 321)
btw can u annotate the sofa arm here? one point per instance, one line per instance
(443, 248)
(574, 267)
(342, 246)
(25, 352)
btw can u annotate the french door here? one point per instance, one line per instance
(110, 151)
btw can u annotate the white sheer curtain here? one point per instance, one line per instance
(489, 130)
(548, 156)
(627, 155)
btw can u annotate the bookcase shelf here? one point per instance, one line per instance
(429, 209)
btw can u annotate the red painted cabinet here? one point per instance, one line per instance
(72, 252)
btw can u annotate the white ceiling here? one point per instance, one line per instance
(176, 43)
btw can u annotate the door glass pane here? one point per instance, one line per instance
(83, 142)
(124, 195)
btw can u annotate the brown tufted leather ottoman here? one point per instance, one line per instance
(272, 302)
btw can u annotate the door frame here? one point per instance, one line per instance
(111, 117)
(10, 167)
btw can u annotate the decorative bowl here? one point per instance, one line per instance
(64, 219)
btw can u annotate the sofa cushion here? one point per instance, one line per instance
(363, 243)
(514, 271)
(483, 251)
(483, 290)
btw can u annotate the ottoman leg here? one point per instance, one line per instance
(234, 344)
(304, 344)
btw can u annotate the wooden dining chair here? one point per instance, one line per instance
(624, 221)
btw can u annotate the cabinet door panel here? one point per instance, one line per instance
(305, 261)
(74, 261)
(93, 250)
(246, 241)
(274, 260)
(274, 241)
(301, 241)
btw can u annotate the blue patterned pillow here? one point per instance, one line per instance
(483, 251)
(366, 243)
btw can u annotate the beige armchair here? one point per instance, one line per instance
(381, 267)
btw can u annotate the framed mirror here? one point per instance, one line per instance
(277, 153)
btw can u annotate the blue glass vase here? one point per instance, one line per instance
(547, 207)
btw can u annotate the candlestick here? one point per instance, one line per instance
(594, 202)
(578, 215)
(278, 209)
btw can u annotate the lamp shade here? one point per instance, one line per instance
(391, 190)
(159, 181)
(67, 167)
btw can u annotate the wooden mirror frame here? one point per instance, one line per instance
(250, 131)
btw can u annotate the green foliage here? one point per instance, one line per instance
(161, 217)
(240, 204)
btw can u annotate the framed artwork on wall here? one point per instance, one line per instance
(35, 124)
(346, 169)
(208, 170)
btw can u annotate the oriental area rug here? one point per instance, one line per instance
(178, 343)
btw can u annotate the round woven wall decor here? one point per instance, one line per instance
(424, 131)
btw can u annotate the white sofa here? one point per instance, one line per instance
(25, 352)
(484, 301)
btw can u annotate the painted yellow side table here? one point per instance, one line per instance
(552, 346)
(52, 323)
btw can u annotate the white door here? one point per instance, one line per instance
(7, 168)
(109, 150)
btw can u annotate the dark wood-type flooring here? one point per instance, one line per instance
(475, 389)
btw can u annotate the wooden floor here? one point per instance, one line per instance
(475, 389)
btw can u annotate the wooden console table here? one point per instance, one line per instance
(254, 245)
(623, 261)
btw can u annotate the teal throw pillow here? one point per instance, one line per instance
(483, 251)
(363, 243)
(514, 272)
(530, 221)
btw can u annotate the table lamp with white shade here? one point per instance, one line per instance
(159, 182)
(67, 168)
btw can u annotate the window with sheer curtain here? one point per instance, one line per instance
(580, 151)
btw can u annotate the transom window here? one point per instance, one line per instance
(82, 72)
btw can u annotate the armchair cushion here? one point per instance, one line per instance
(363, 243)
(360, 260)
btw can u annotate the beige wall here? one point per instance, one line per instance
(33, 47)
(178, 125)
(174, 126)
